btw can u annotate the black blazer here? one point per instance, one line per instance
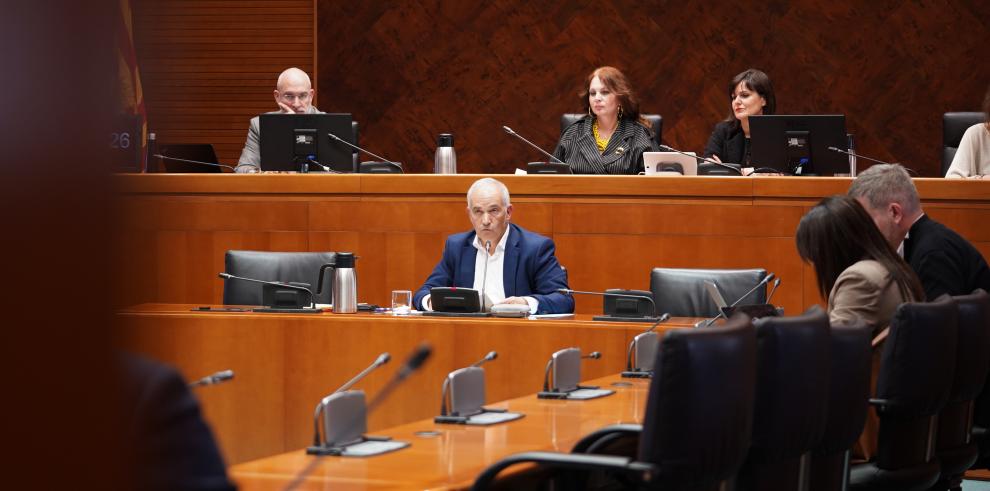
(944, 261)
(728, 143)
(622, 155)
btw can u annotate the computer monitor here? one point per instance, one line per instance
(289, 140)
(798, 144)
(184, 158)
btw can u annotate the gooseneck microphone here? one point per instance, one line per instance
(594, 355)
(859, 155)
(415, 360)
(492, 355)
(214, 378)
(200, 162)
(762, 282)
(312, 297)
(632, 344)
(445, 388)
(484, 275)
(773, 289)
(359, 149)
(381, 360)
(544, 152)
(568, 291)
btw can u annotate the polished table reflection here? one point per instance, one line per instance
(285, 363)
(457, 453)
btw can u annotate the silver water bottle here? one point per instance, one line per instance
(344, 284)
(445, 161)
(852, 155)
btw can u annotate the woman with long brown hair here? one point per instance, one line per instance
(859, 274)
(611, 139)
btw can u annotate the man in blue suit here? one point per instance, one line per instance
(521, 266)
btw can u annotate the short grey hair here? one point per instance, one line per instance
(883, 184)
(488, 182)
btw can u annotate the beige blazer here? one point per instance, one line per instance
(865, 291)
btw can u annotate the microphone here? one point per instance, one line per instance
(446, 381)
(381, 360)
(568, 291)
(484, 275)
(492, 355)
(211, 164)
(213, 379)
(415, 360)
(312, 298)
(707, 160)
(632, 343)
(594, 355)
(858, 155)
(773, 290)
(740, 299)
(310, 159)
(517, 135)
(355, 147)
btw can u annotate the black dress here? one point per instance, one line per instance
(729, 142)
(622, 155)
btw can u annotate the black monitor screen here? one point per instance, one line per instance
(798, 144)
(289, 140)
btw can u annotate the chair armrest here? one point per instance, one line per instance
(592, 442)
(638, 470)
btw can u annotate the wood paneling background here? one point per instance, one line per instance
(208, 66)
(410, 70)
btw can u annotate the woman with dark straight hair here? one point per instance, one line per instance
(750, 93)
(860, 276)
(611, 139)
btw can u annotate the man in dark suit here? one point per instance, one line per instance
(521, 266)
(945, 262)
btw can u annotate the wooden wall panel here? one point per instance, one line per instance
(410, 70)
(207, 67)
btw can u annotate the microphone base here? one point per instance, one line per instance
(368, 446)
(613, 318)
(551, 395)
(636, 374)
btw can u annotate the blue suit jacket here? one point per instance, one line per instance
(531, 270)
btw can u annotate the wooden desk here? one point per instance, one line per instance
(286, 363)
(609, 230)
(459, 453)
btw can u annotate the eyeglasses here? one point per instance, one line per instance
(290, 97)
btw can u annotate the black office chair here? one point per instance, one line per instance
(917, 368)
(698, 416)
(848, 395)
(955, 449)
(791, 407)
(300, 267)
(655, 119)
(682, 292)
(953, 127)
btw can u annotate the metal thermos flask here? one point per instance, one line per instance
(344, 284)
(445, 161)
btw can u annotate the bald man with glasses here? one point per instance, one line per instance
(293, 94)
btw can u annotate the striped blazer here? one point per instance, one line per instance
(622, 155)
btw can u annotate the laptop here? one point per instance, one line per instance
(670, 164)
(199, 152)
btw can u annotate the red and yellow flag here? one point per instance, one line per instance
(131, 95)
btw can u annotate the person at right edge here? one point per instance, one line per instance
(750, 94)
(945, 262)
(972, 159)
